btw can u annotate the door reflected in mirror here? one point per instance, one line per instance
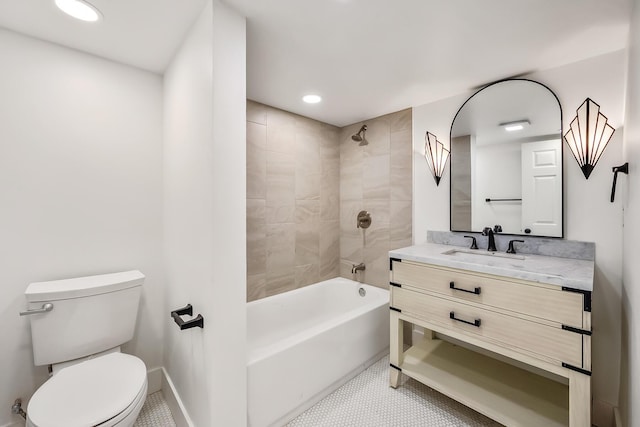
(506, 160)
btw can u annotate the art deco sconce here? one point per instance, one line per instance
(588, 136)
(436, 156)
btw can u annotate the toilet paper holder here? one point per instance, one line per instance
(188, 310)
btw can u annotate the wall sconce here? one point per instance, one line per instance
(588, 136)
(436, 156)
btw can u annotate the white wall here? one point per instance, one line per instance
(205, 214)
(630, 378)
(588, 215)
(80, 189)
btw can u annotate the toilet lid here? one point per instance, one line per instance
(88, 393)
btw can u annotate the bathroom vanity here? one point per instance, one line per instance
(507, 335)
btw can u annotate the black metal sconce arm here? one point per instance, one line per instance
(624, 169)
(198, 321)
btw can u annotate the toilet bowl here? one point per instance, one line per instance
(105, 391)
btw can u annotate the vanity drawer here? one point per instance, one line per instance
(532, 299)
(507, 331)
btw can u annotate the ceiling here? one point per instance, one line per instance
(364, 57)
(142, 33)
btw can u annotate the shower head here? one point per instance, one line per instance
(359, 137)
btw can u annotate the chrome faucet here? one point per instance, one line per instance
(356, 268)
(488, 231)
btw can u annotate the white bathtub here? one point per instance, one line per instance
(304, 344)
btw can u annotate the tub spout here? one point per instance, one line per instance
(356, 268)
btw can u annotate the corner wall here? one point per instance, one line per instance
(204, 217)
(377, 178)
(630, 193)
(81, 186)
(588, 214)
(293, 172)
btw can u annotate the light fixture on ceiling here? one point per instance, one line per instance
(588, 136)
(312, 99)
(436, 156)
(515, 126)
(79, 9)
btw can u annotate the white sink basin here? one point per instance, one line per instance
(481, 254)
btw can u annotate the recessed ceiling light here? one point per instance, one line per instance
(312, 99)
(79, 9)
(515, 126)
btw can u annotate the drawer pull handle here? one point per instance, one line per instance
(475, 323)
(475, 290)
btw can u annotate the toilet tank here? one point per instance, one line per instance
(90, 315)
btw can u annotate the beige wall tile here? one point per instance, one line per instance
(256, 112)
(280, 118)
(400, 187)
(307, 126)
(376, 243)
(329, 249)
(256, 286)
(330, 143)
(345, 270)
(307, 243)
(379, 209)
(330, 191)
(401, 149)
(400, 225)
(281, 239)
(386, 175)
(281, 138)
(376, 258)
(308, 186)
(279, 281)
(281, 186)
(375, 177)
(401, 161)
(281, 214)
(351, 181)
(401, 120)
(256, 237)
(378, 137)
(316, 180)
(256, 161)
(307, 275)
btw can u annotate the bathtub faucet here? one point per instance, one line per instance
(356, 268)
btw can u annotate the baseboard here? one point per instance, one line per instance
(178, 411)
(154, 380)
(603, 414)
(616, 417)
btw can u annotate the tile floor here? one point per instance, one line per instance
(155, 412)
(365, 401)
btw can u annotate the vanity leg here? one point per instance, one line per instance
(579, 399)
(396, 348)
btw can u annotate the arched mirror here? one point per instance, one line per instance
(506, 160)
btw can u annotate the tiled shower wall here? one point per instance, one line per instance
(293, 172)
(376, 177)
(306, 182)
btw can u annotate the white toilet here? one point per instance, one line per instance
(92, 382)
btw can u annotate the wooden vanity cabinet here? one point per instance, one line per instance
(528, 358)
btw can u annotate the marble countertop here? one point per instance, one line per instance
(573, 273)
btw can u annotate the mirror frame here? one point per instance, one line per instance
(561, 158)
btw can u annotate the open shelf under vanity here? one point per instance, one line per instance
(501, 391)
